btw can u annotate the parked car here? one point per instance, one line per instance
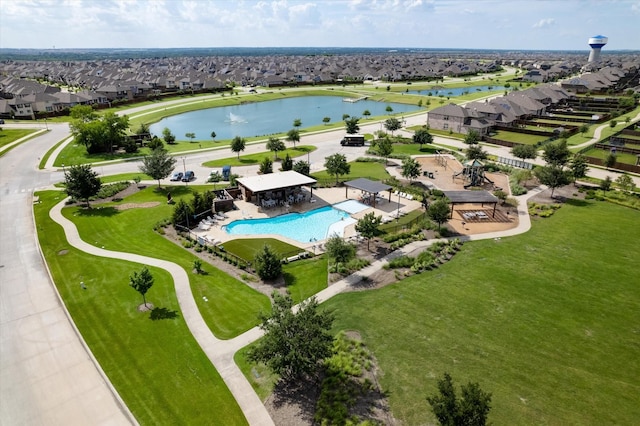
(176, 177)
(188, 176)
(1, 121)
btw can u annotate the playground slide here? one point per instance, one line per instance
(488, 180)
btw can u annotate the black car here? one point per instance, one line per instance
(188, 176)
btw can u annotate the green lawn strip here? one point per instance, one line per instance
(261, 378)
(251, 159)
(124, 177)
(519, 137)
(414, 149)
(48, 154)
(372, 170)
(621, 157)
(156, 366)
(8, 136)
(306, 277)
(232, 307)
(542, 321)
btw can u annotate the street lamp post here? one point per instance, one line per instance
(398, 212)
(184, 170)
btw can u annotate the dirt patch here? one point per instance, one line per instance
(127, 206)
(560, 195)
(63, 252)
(145, 308)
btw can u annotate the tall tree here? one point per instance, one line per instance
(141, 282)
(472, 138)
(351, 124)
(267, 263)
(274, 145)
(553, 177)
(326, 120)
(337, 165)
(266, 166)
(302, 167)
(294, 344)
(368, 226)
(625, 182)
(392, 124)
(610, 161)
(213, 135)
(81, 182)
(190, 135)
(410, 168)
(439, 212)
(366, 113)
(293, 135)
(159, 164)
(423, 137)
(237, 145)
(472, 409)
(556, 154)
(384, 148)
(475, 152)
(524, 151)
(578, 166)
(389, 108)
(297, 123)
(168, 137)
(287, 163)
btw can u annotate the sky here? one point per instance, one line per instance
(471, 24)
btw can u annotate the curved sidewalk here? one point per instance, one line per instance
(215, 349)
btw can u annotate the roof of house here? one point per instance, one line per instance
(273, 181)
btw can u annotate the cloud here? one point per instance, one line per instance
(544, 23)
(635, 8)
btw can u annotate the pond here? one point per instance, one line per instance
(269, 117)
(458, 91)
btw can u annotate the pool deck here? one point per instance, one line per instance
(321, 197)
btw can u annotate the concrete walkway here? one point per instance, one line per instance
(221, 352)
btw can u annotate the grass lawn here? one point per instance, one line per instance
(621, 157)
(414, 149)
(370, 170)
(8, 136)
(155, 365)
(124, 177)
(547, 322)
(520, 137)
(251, 159)
(232, 307)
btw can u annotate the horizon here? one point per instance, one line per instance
(496, 25)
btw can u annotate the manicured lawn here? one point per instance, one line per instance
(251, 159)
(11, 135)
(414, 149)
(306, 277)
(248, 248)
(519, 137)
(155, 365)
(621, 157)
(124, 176)
(232, 307)
(371, 170)
(546, 321)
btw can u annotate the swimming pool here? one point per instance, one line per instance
(303, 227)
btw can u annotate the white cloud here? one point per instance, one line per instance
(543, 23)
(635, 8)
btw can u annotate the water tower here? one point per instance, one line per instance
(596, 43)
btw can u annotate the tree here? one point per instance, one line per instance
(625, 182)
(471, 409)
(266, 166)
(81, 182)
(190, 135)
(366, 113)
(389, 109)
(294, 344)
(181, 213)
(439, 211)
(99, 134)
(475, 152)
(141, 282)
(326, 120)
(392, 124)
(302, 167)
(337, 165)
(613, 123)
(423, 137)
(610, 161)
(472, 138)
(168, 137)
(553, 177)
(583, 129)
(352, 126)
(237, 145)
(213, 135)
(339, 250)
(605, 185)
(155, 143)
(578, 166)
(143, 131)
(287, 163)
(293, 135)
(384, 148)
(267, 263)
(524, 151)
(410, 168)
(159, 164)
(345, 116)
(368, 225)
(275, 144)
(297, 123)
(556, 154)
(84, 113)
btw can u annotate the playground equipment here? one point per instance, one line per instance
(441, 159)
(473, 174)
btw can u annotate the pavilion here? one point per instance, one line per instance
(471, 197)
(281, 187)
(371, 187)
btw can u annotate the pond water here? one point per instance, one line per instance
(457, 91)
(267, 118)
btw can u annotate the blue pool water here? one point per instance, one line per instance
(303, 227)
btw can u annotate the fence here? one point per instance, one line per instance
(618, 166)
(515, 163)
(618, 148)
